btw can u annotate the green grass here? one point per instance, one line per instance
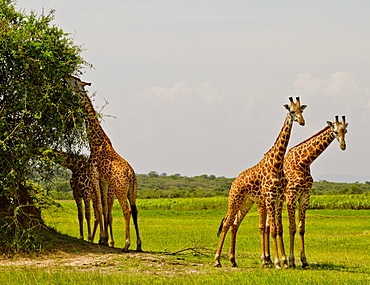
(356, 201)
(337, 244)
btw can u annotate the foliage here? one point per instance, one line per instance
(174, 186)
(38, 110)
(334, 188)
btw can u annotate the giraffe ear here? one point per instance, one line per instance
(303, 107)
(330, 124)
(287, 107)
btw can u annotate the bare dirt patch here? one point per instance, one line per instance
(106, 262)
(83, 256)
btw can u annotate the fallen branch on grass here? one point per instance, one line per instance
(193, 250)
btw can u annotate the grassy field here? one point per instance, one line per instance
(179, 240)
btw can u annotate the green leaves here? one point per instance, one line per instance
(37, 109)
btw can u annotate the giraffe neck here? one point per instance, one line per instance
(95, 133)
(275, 155)
(311, 148)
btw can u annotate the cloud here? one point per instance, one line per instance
(341, 83)
(306, 84)
(339, 90)
(208, 92)
(182, 95)
(168, 93)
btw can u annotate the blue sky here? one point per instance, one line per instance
(198, 87)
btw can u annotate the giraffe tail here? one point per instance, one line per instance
(220, 228)
(132, 199)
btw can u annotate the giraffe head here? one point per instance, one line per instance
(296, 110)
(76, 83)
(339, 129)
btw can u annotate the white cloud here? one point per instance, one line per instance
(180, 88)
(306, 84)
(204, 93)
(208, 92)
(340, 87)
(340, 83)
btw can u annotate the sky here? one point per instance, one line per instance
(198, 87)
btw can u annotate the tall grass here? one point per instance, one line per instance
(356, 202)
(181, 204)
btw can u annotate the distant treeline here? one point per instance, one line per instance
(155, 185)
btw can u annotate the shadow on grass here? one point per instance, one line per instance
(331, 267)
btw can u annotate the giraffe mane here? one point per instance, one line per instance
(315, 135)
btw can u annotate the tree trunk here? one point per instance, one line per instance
(22, 208)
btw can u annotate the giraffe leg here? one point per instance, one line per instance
(302, 227)
(127, 214)
(99, 207)
(225, 225)
(134, 217)
(234, 230)
(235, 226)
(96, 221)
(271, 213)
(78, 200)
(224, 228)
(131, 195)
(292, 231)
(110, 218)
(104, 198)
(279, 222)
(264, 235)
(88, 216)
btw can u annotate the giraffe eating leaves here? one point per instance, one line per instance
(107, 170)
(263, 184)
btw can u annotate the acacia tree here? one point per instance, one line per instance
(37, 109)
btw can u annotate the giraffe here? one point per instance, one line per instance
(82, 192)
(107, 170)
(263, 184)
(299, 180)
(80, 185)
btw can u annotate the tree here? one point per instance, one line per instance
(38, 111)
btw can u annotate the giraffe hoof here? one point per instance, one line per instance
(218, 264)
(266, 265)
(305, 265)
(101, 242)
